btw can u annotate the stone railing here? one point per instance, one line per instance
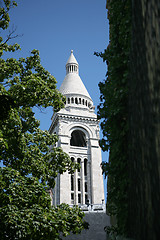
(93, 207)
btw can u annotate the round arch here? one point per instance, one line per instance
(78, 138)
(82, 127)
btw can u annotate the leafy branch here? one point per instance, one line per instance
(30, 165)
(113, 110)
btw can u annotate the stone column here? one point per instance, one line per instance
(76, 187)
(82, 182)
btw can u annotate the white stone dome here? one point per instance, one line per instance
(71, 59)
(72, 84)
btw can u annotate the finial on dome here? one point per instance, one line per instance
(72, 64)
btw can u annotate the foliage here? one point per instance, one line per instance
(113, 110)
(26, 212)
(30, 166)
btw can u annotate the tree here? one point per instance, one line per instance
(144, 121)
(129, 109)
(29, 165)
(114, 110)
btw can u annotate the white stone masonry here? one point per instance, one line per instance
(78, 130)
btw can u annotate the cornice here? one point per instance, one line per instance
(71, 118)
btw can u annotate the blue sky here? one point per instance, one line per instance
(54, 27)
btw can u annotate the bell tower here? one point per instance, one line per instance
(78, 130)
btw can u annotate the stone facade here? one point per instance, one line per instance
(78, 130)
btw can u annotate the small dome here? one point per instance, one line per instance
(71, 59)
(72, 83)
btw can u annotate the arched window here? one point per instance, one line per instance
(79, 100)
(78, 138)
(68, 100)
(89, 105)
(72, 100)
(72, 159)
(76, 100)
(83, 101)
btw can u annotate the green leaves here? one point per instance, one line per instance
(32, 85)
(30, 160)
(113, 110)
(6, 5)
(26, 212)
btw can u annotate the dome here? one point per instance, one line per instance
(71, 59)
(72, 83)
